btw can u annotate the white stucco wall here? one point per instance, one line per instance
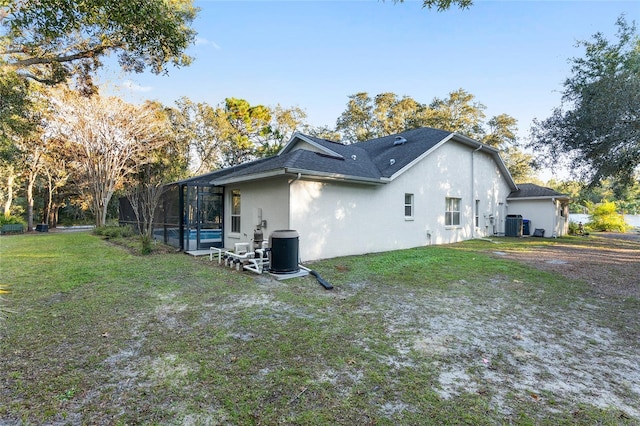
(338, 219)
(269, 197)
(545, 213)
(491, 189)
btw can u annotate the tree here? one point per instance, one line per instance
(502, 131)
(32, 148)
(519, 164)
(442, 5)
(394, 115)
(501, 134)
(164, 163)
(584, 197)
(604, 217)
(51, 40)
(458, 113)
(107, 140)
(8, 176)
(57, 173)
(199, 126)
(385, 114)
(356, 122)
(15, 123)
(33, 152)
(322, 132)
(233, 132)
(256, 131)
(284, 123)
(574, 189)
(248, 127)
(598, 124)
(15, 103)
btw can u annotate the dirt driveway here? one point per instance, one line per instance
(609, 262)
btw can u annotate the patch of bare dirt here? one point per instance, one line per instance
(545, 356)
(609, 262)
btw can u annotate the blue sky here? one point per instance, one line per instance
(512, 55)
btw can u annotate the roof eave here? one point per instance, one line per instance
(309, 174)
(248, 177)
(314, 174)
(541, 197)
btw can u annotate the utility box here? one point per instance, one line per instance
(513, 226)
(284, 252)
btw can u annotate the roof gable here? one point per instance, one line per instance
(311, 143)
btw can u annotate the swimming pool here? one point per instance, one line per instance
(171, 236)
(206, 235)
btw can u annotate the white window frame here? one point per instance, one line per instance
(408, 204)
(235, 216)
(452, 213)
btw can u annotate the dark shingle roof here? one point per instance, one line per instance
(218, 174)
(313, 162)
(530, 190)
(418, 141)
(372, 160)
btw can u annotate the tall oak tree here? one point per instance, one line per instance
(597, 127)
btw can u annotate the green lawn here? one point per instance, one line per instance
(94, 334)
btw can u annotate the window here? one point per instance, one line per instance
(452, 212)
(235, 211)
(408, 206)
(477, 213)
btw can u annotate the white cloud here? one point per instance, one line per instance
(201, 41)
(135, 87)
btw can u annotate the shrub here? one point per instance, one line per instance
(146, 244)
(111, 231)
(573, 228)
(605, 218)
(127, 231)
(11, 220)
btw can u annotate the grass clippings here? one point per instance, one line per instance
(442, 335)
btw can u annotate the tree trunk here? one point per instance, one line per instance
(7, 205)
(98, 213)
(52, 219)
(103, 218)
(47, 207)
(102, 208)
(30, 181)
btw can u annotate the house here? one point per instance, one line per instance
(420, 187)
(543, 207)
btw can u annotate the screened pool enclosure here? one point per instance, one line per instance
(189, 215)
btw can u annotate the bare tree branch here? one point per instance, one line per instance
(87, 54)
